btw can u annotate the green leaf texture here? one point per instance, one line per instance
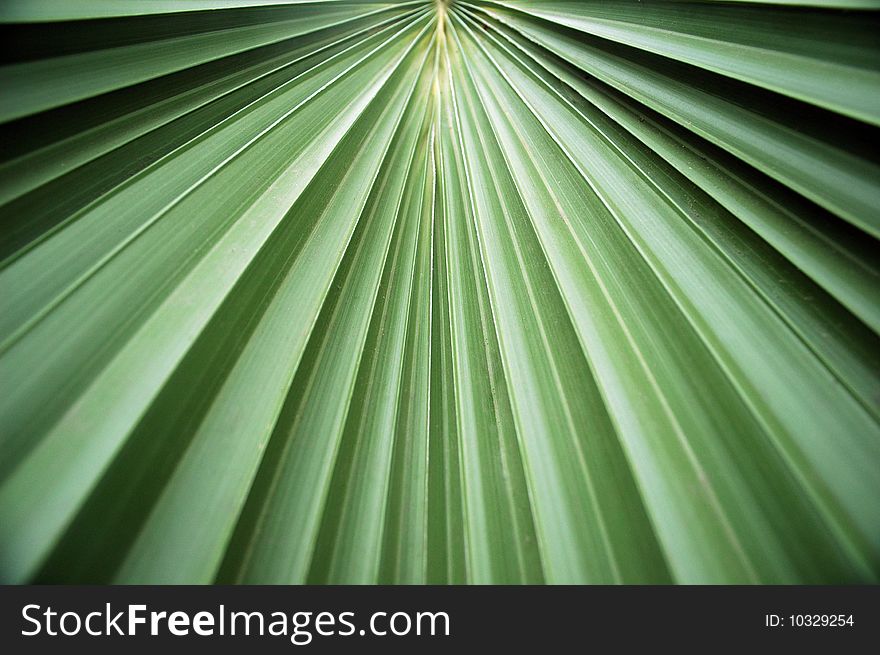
(417, 292)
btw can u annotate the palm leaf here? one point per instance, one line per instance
(468, 292)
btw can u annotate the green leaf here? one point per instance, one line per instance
(440, 292)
